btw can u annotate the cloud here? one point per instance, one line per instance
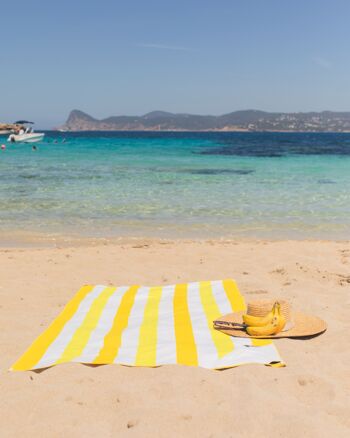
(322, 62)
(162, 47)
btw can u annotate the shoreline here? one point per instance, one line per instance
(28, 239)
(195, 131)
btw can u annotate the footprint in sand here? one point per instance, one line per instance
(340, 279)
(344, 256)
(343, 280)
(302, 268)
(257, 292)
(280, 271)
(131, 423)
(314, 390)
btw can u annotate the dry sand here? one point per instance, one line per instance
(310, 397)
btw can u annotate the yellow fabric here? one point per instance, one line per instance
(113, 339)
(223, 344)
(81, 336)
(147, 348)
(185, 344)
(234, 296)
(148, 326)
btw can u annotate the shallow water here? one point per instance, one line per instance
(179, 185)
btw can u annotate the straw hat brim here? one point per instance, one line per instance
(303, 326)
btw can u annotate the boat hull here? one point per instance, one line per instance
(26, 138)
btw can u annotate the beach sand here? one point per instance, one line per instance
(309, 397)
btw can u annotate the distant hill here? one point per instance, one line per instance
(247, 120)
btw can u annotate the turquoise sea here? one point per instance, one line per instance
(265, 185)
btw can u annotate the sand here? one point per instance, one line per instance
(309, 397)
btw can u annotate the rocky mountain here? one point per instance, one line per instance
(248, 120)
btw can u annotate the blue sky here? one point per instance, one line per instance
(111, 57)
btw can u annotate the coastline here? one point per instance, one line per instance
(279, 131)
(36, 282)
(241, 121)
(33, 240)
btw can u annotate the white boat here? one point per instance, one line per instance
(27, 136)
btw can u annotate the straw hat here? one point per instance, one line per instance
(298, 324)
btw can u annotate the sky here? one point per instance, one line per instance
(111, 57)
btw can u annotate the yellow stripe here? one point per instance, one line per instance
(36, 351)
(82, 335)
(260, 342)
(186, 351)
(276, 364)
(112, 340)
(223, 343)
(234, 296)
(147, 348)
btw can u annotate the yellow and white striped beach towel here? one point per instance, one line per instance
(148, 326)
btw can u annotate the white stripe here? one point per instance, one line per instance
(57, 347)
(166, 342)
(206, 349)
(221, 298)
(246, 354)
(131, 334)
(103, 327)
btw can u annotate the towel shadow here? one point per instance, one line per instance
(40, 370)
(305, 338)
(94, 365)
(91, 365)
